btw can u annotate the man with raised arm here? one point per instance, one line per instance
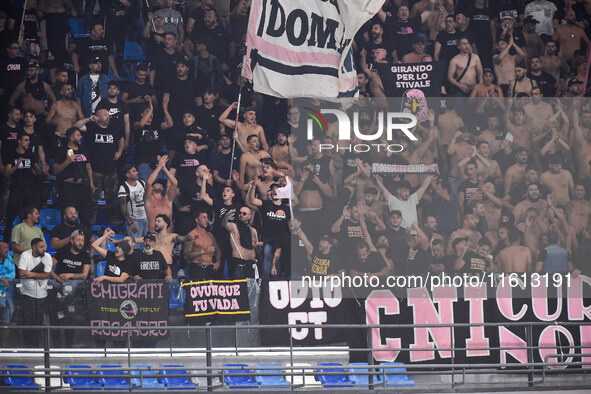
(202, 251)
(243, 239)
(245, 129)
(404, 202)
(159, 197)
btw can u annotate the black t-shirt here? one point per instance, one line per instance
(208, 120)
(505, 160)
(36, 142)
(471, 191)
(402, 33)
(88, 49)
(546, 83)
(12, 72)
(191, 194)
(222, 162)
(275, 221)
(165, 67)
(149, 266)
(398, 248)
(62, 231)
(148, 141)
(135, 90)
(374, 263)
(449, 44)
(8, 136)
(475, 263)
(24, 171)
(182, 97)
(386, 46)
(117, 111)
(102, 143)
(114, 268)
(324, 264)
(70, 263)
(185, 165)
(75, 170)
(501, 8)
(418, 261)
(218, 38)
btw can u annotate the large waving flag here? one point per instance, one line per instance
(302, 48)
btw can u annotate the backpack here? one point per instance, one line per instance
(128, 192)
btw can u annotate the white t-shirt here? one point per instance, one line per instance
(36, 288)
(135, 204)
(408, 209)
(543, 13)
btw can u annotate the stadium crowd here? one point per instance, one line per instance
(159, 141)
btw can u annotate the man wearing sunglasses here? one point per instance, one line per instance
(243, 239)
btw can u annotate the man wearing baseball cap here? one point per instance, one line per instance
(92, 87)
(32, 92)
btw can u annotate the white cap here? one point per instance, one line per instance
(509, 137)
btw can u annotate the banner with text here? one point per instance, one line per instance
(137, 305)
(216, 301)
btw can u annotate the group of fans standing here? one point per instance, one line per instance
(179, 172)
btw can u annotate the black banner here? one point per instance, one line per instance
(219, 301)
(396, 169)
(284, 302)
(143, 304)
(400, 80)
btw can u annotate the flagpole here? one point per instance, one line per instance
(237, 114)
(20, 29)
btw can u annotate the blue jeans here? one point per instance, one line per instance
(142, 228)
(7, 309)
(268, 263)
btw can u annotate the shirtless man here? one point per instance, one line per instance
(66, 111)
(492, 206)
(243, 239)
(532, 201)
(280, 152)
(449, 123)
(515, 258)
(559, 181)
(569, 37)
(458, 149)
(202, 251)
(246, 129)
(457, 65)
(582, 129)
(516, 173)
(519, 129)
(32, 92)
(491, 133)
(250, 161)
(165, 239)
(552, 63)
(468, 230)
(487, 88)
(578, 210)
(158, 201)
(521, 83)
(537, 111)
(418, 54)
(263, 185)
(504, 62)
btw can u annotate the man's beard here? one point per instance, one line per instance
(282, 144)
(148, 250)
(72, 221)
(76, 142)
(77, 248)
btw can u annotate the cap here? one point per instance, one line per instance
(457, 241)
(489, 70)
(509, 137)
(396, 212)
(33, 64)
(222, 135)
(95, 59)
(124, 246)
(530, 19)
(574, 81)
(76, 233)
(417, 39)
(327, 238)
(508, 15)
(268, 161)
(150, 236)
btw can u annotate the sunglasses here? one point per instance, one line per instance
(243, 213)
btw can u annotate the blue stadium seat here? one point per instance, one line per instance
(332, 380)
(19, 383)
(238, 382)
(133, 51)
(360, 380)
(175, 301)
(79, 383)
(49, 249)
(270, 382)
(146, 378)
(396, 380)
(49, 218)
(111, 383)
(181, 383)
(77, 28)
(100, 268)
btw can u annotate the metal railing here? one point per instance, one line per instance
(534, 373)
